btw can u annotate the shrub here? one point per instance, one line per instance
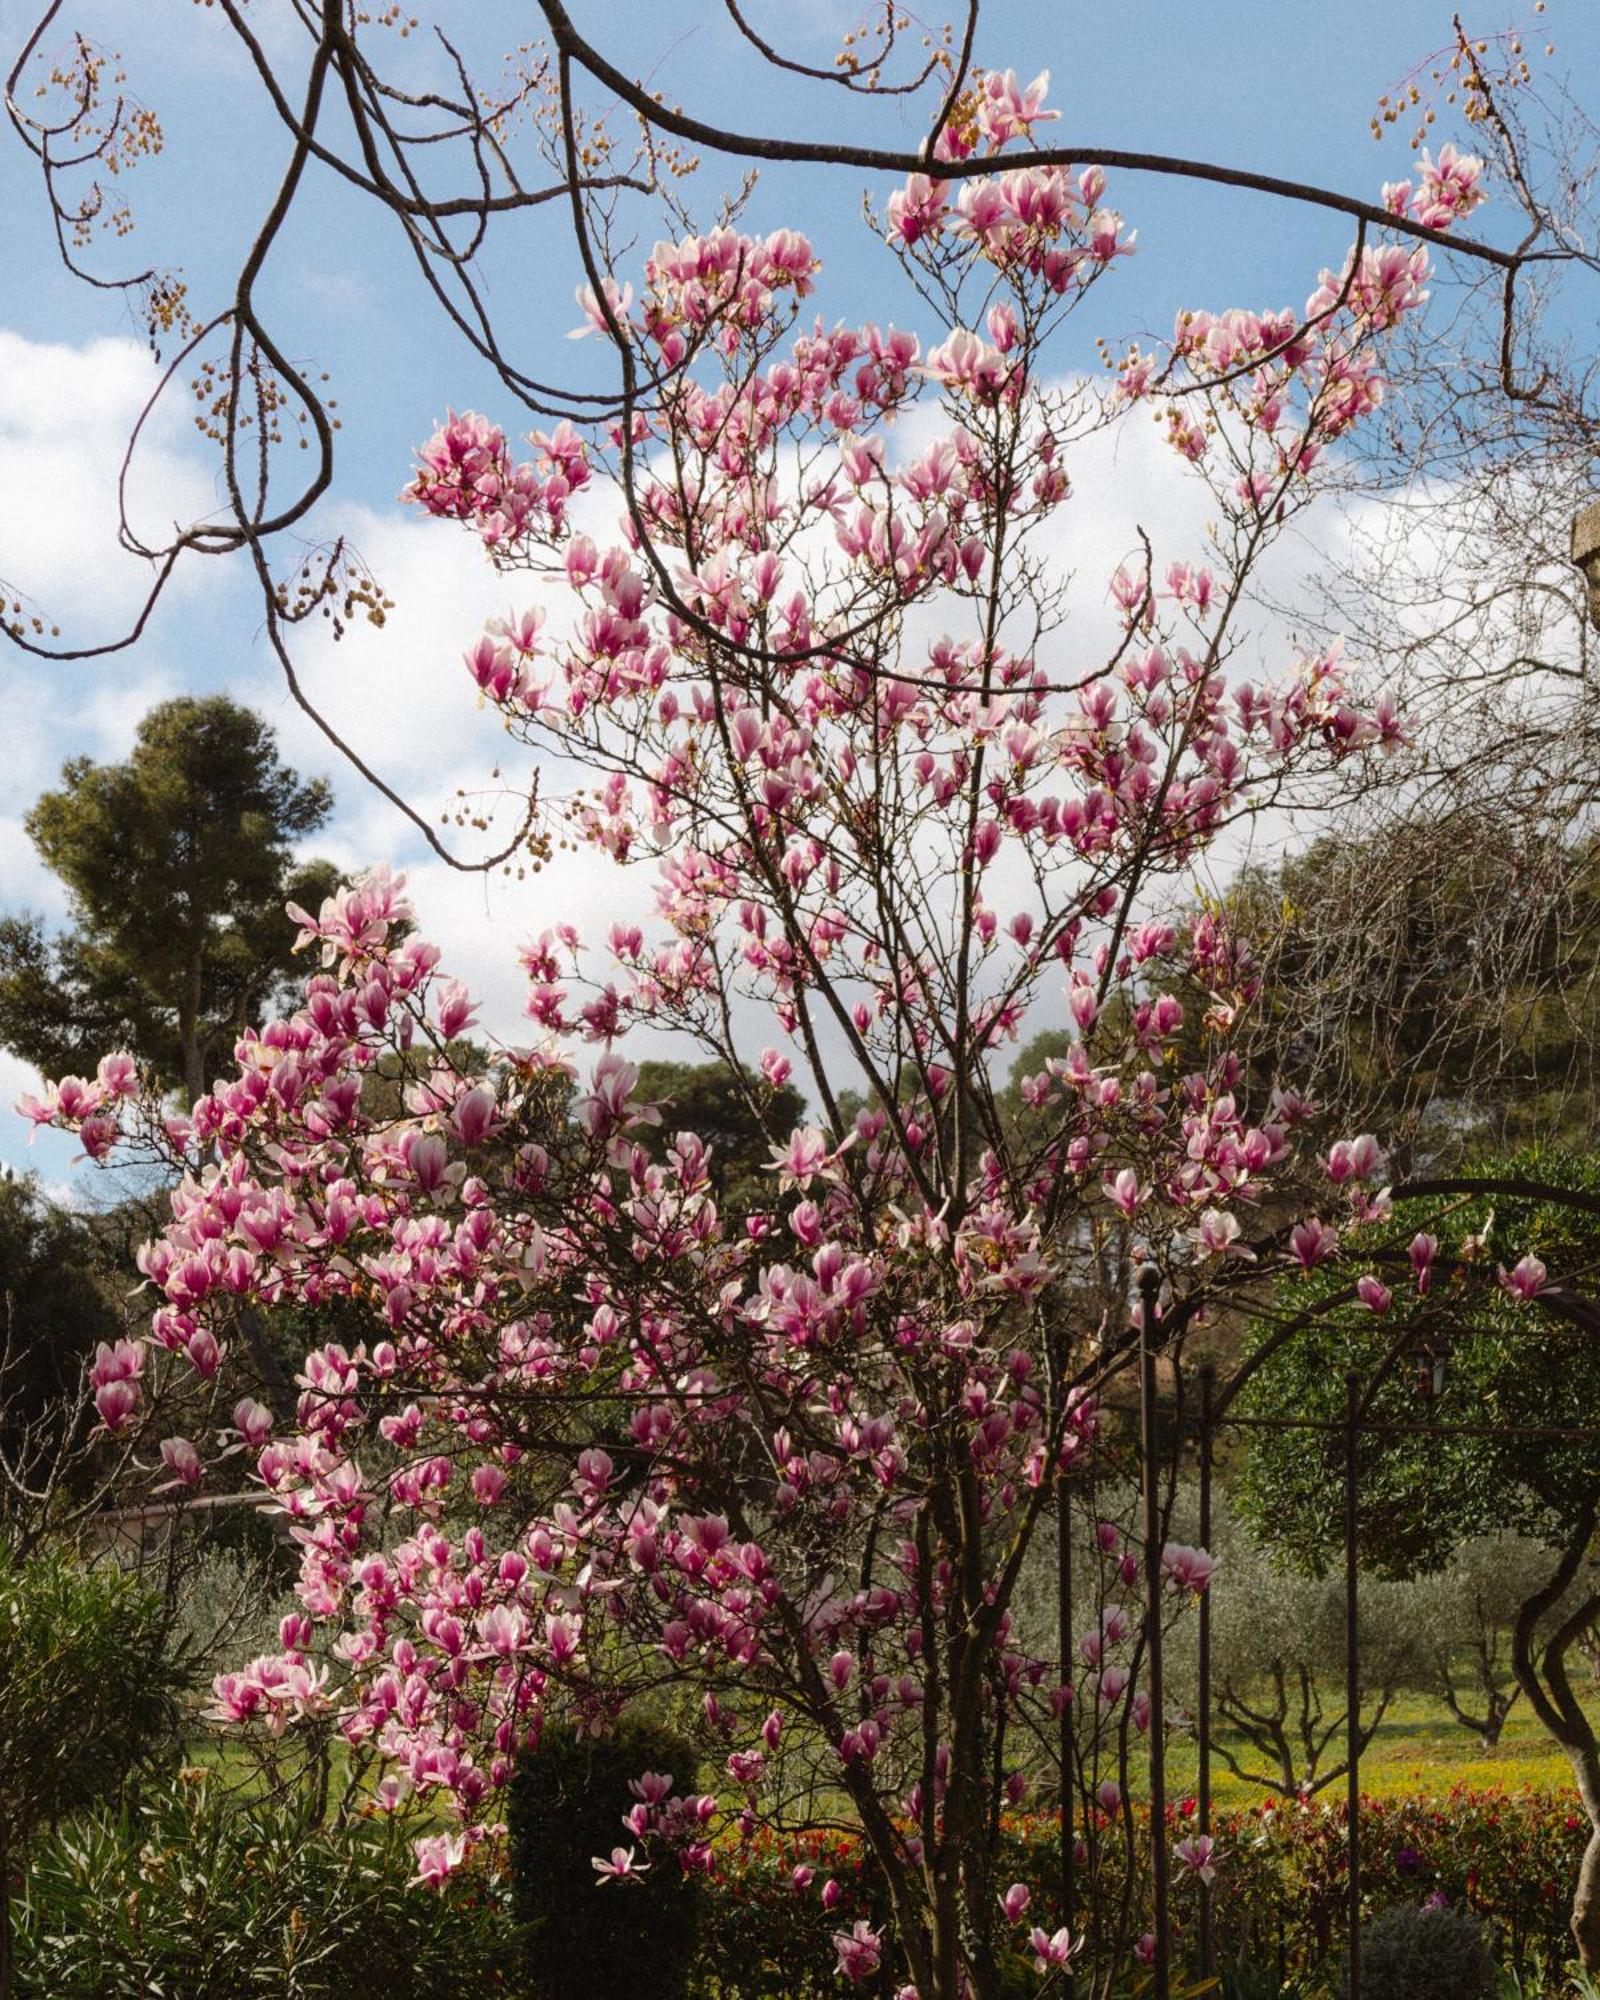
(1507, 1859)
(86, 1689)
(762, 1936)
(86, 1692)
(199, 1893)
(606, 1940)
(1425, 1954)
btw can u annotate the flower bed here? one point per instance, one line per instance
(1279, 1894)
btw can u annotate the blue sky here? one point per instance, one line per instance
(1283, 86)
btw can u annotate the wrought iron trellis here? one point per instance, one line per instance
(1215, 1414)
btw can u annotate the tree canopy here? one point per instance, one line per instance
(1505, 1360)
(1433, 976)
(55, 1305)
(177, 863)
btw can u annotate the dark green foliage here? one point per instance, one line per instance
(196, 1893)
(55, 1303)
(1259, 1982)
(704, 1098)
(178, 864)
(763, 1939)
(1421, 1954)
(1279, 1900)
(1424, 1492)
(86, 1692)
(86, 1687)
(611, 1940)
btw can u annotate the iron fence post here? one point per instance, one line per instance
(1161, 1964)
(1208, 1379)
(1069, 1857)
(1352, 1693)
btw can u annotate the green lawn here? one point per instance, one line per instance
(1418, 1749)
(1418, 1752)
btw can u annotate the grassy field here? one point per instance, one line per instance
(1418, 1749)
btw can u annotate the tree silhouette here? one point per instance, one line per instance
(178, 864)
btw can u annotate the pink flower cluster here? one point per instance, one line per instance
(1445, 189)
(1279, 387)
(1039, 223)
(89, 1109)
(584, 1432)
(994, 111)
(465, 473)
(449, 1646)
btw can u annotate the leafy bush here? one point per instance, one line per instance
(198, 1893)
(86, 1686)
(1425, 1954)
(1507, 1859)
(762, 1936)
(606, 1940)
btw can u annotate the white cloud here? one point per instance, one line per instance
(66, 414)
(27, 883)
(399, 694)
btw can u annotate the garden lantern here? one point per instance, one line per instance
(1433, 1369)
(1586, 553)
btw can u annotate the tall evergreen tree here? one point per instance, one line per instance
(178, 863)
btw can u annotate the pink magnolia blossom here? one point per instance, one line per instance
(1312, 1242)
(1198, 1854)
(1218, 1235)
(1354, 1158)
(488, 1483)
(181, 1459)
(801, 1159)
(1186, 1568)
(620, 1866)
(859, 1951)
(1051, 1949)
(1526, 1280)
(252, 1421)
(439, 1855)
(1124, 1192)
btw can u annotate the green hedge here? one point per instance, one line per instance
(199, 1894)
(607, 1940)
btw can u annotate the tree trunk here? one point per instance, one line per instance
(1500, 1706)
(1586, 1906)
(1549, 1691)
(194, 1070)
(1585, 1761)
(1488, 1726)
(7, 1967)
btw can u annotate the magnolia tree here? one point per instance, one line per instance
(597, 1442)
